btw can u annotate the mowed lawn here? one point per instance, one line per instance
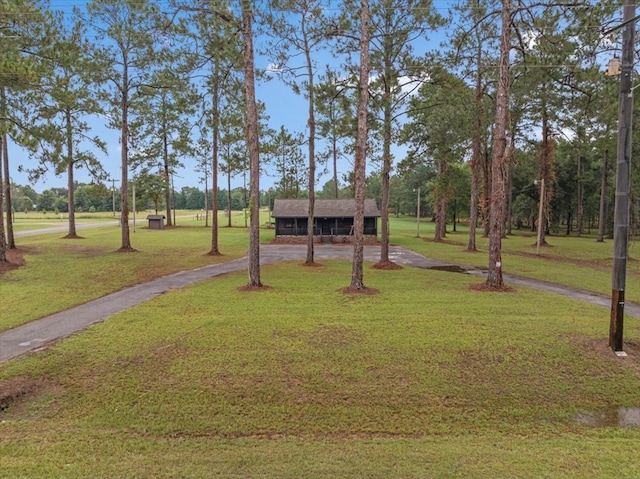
(61, 273)
(427, 378)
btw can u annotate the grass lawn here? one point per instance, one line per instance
(60, 273)
(426, 379)
(579, 262)
(38, 220)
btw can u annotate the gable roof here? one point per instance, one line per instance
(322, 208)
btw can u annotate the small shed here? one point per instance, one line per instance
(332, 220)
(156, 222)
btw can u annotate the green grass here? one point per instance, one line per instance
(61, 273)
(37, 220)
(427, 379)
(579, 262)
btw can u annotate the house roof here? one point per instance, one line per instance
(322, 208)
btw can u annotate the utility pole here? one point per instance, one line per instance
(623, 174)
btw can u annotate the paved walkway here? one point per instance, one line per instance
(40, 333)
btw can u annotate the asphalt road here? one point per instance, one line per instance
(42, 332)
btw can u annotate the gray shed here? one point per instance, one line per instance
(156, 222)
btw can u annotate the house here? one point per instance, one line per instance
(333, 220)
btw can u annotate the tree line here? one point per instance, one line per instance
(93, 197)
(514, 97)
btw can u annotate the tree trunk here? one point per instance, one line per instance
(246, 203)
(580, 218)
(546, 173)
(441, 202)
(386, 144)
(476, 147)
(441, 219)
(335, 166)
(508, 188)
(386, 170)
(3, 240)
(166, 167)
(476, 156)
(473, 208)
(496, 221)
(165, 174)
(71, 207)
(357, 281)
(206, 198)
(486, 190)
(8, 203)
(312, 154)
(229, 225)
(215, 251)
(602, 217)
(254, 148)
(124, 144)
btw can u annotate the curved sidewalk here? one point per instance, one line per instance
(39, 333)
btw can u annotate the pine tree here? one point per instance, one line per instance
(253, 144)
(357, 270)
(59, 107)
(126, 31)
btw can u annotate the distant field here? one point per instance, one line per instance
(36, 220)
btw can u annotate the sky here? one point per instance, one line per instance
(282, 106)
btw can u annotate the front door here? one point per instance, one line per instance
(325, 226)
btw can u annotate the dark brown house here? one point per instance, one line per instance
(333, 220)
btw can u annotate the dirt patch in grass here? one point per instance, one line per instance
(562, 259)
(15, 259)
(249, 288)
(601, 347)
(331, 336)
(14, 390)
(444, 241)
(363, 291)
(312, 265)
(85, 251)
(386, 265)
(487, 288)
(16, 393)
(544, 244)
